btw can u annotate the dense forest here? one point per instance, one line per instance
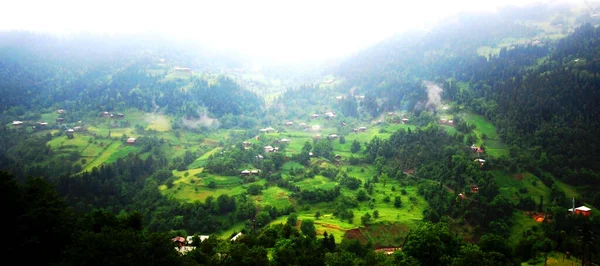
(368, 148)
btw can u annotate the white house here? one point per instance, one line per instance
(234, 238)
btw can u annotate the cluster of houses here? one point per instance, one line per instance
(267, 130)
(71, 131)
(110, 115)
(327, 115)
(184, 245)
(478, 151)
(247, 172)
(474, 190)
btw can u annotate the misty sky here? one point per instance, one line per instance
(283, 30)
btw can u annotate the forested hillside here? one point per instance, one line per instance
(92, 75)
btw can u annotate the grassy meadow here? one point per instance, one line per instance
(487, 135)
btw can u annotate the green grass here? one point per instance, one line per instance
(318, 181)
(104, 156)
(510, 185)
(92, 150)
(521, 223)
(274, 196)
(291, 164)
(494, 146)
(409, 215)
(122, 152)
(114, 132)
(555, 259)
(158, 122)
(195, 187)
(64, 144)
(237, 227)
(200, 161)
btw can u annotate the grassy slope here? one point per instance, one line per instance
(195, 187)
(493, 144)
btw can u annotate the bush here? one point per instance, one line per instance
(292, 219)
(254, 189)
(366, 219)
(212, 184)
(397, 202)
(361, 195)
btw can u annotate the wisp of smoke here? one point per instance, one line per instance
(202, 121)
(434, 95)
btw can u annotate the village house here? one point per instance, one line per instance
(268, 149)
(254, 172)
(339, 98)
(316, 128)
(267, 130)
(77, 128)
(286, 141)
(329, 81)
(245, 172)
(476, 149)
(317, 136)
(443, 121)
(180, 241)
(474, 189)
(105, 114)
(289, 123)
(333, 136)
(304, 125)
(582, 210)
(70, 132)
(120, 115)
(404, 120)
(329, 115)
(480, 161)
(60, 111)
(237, 236)
(390, 113)
(183, 69)
(337, 157)
(17, 123)
(190, 239)
(259, 157)
(359, 97)
(409, 171)
(43, 124)
(246, 144)
(60, 120)
(451, 122)
(313, 116)
(131, 141)
(362, 129)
